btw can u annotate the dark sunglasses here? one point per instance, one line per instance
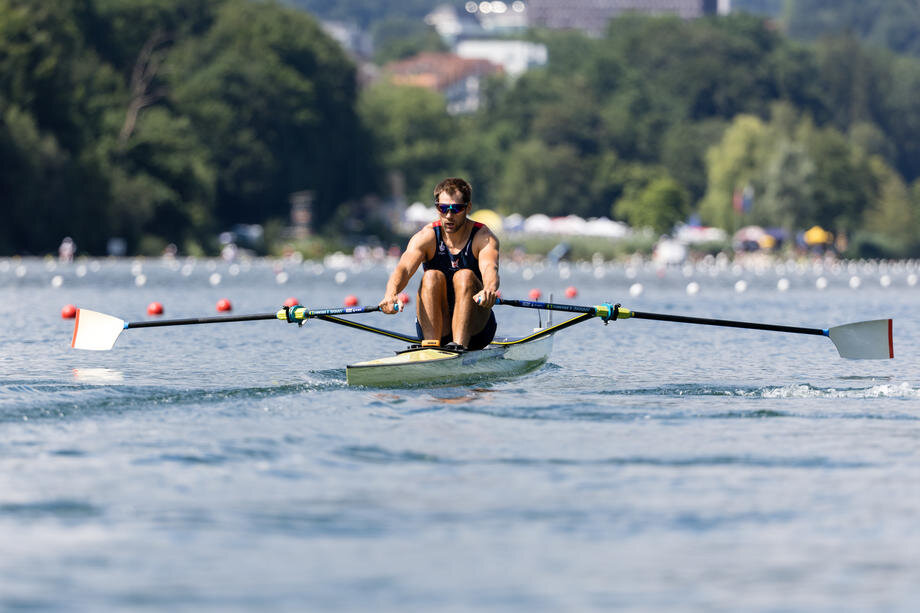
(450, 208)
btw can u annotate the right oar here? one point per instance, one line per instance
(863, 340)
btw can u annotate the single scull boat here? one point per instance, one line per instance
(504, 357)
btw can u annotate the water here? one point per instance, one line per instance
(648, 466)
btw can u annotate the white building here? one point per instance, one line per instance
(515, 56)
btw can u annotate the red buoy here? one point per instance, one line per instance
(224, 305)
(403, 298)
(535, 294)
(154, 308)
(291, 302)
(69, 311)
(571, 292)
(351, 300)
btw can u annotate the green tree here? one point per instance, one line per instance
(412, 134)
(398, 38)
(273, 99)
(659, 204)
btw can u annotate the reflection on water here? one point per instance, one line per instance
(99, 376)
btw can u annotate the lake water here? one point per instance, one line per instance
(648, 466)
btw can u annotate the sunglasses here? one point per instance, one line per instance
(450, 208)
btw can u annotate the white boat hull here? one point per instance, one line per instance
(440, 367)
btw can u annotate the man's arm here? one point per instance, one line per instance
(411, 259)
(488, 266)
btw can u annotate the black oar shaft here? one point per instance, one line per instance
(726, 323)
(627, 314)
(200, 320)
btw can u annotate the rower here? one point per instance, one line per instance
(460, 282)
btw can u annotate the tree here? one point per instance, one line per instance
(274, 100)
(659, 204)
(412, 134)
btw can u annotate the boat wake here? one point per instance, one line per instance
(24, 401)
(800, 390)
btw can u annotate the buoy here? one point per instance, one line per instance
(154, 308)
(69, 311)
(403, 298)
(351, 300)
(224, 305)
(571, 292)
(535, 294)
(291, 302)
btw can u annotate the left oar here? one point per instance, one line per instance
(98, 331)
(864, 340)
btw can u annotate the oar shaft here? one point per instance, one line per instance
(624, 313)
(726, 323)
(199, 320)
(300, 314)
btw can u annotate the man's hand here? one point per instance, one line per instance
(486, 298)
(390, 304)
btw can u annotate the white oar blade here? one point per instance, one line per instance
(95, 331)
(864, 340)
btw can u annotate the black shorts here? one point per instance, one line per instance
(477, 341)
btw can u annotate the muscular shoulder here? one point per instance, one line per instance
(484, 237)
(424, 241)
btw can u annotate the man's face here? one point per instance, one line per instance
(452, 217)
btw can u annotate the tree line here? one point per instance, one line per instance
(166, 121)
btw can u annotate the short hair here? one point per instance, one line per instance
(455, 185)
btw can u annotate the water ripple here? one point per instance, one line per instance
(378, 455)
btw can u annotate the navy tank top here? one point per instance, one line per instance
(449, 263)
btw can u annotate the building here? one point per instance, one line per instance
(592, 15)
(514, 56)
(458, 79)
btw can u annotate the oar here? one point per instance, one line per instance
(863, 340)
(98, 331)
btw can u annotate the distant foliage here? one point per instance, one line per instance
(890, 24)
(169, 120)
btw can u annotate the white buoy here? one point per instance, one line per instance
(599, 272)
(57, 281)
(911, 279)
(693, 288)
(81, 271)
(821, 283)
(20, 271)
(341, 277)
(635, 289)
(187, 270)
(282, 277)
(234, 270)
(527, 274)
(741, 286)
(884, 281)
(855, 282)
(783, 284)
(564, 272)
(214, 279)
(140, 280)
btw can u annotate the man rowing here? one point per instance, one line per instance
(460, 283)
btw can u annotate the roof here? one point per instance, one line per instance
(438, 70)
